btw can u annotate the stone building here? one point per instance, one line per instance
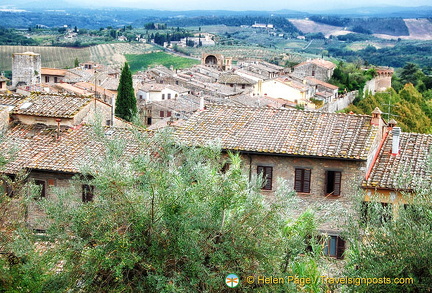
(50, 139)
(400, 169)
(319, 68)
(381, 82)
(322, 157)
(26, 69)
(217, 61)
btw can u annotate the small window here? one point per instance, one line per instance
(334, 246)
(169, 96)
(169, 113)
(313, 72)
(243, 86)
(333, 183)
(42, 188)
(163, 96)
(267, 173)
(55, 79)
(87, 192)
(302, 180)
(46, 78)
(161, 114)
(141, 97)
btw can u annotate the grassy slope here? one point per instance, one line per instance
(143, 61)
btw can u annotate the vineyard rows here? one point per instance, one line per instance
(63, 57)
(56, 57)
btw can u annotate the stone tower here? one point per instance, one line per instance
(26, 69)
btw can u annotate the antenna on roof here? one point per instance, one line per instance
(390, 106)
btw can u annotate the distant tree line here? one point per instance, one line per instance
(160, 39)
(419, 53)
(279, 22)
(9, 37)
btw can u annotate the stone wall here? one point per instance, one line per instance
(335, 207)
(26, 68)
(340, 103)
(36, 217)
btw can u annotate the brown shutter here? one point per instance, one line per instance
(340, 248)
(298, 180)
(337, 183)
(306, 180)
(269, 177)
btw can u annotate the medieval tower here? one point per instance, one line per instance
(26, 69)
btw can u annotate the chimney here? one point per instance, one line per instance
(58, 120)
(391, 124)
(202, 106)
(376, 117)
(395, 141)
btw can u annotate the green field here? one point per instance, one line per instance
(143, 61)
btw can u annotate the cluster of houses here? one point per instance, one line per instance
(250, 109)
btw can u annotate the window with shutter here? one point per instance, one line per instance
(333, 182)
(42, 188)
(302, 178)
(87, 192)
(334, 246)
(267, 173)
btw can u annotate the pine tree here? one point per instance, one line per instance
(125, 106)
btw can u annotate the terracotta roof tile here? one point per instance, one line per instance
(318, 62)
(11, 100)
(49, 105)
(53, 71)
(36, 147)
(281, 131)
(405, 170)
(234, 79)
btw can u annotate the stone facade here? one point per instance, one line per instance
(318, 68)
(217, 61)
(352, 174)
(26, 69)
(381, 82)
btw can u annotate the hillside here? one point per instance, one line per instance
(409, 29)
(309, 26)
(63, 57)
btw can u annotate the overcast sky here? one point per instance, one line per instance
(304, 5)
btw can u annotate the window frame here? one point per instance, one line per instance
(336, 183)
(267, 173)
(40, 182)
(339, 246)
(87, 192)
(301, 184)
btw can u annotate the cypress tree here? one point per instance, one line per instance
(126, 107)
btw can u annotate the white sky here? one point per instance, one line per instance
(304, 5)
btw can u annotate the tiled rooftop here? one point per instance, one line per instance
(313, 81)
(53, 71)
(49, 105)
(281, 131)
(318, 62)
(11, 100)
(36, 147)
(234, 79)
(404, 170)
